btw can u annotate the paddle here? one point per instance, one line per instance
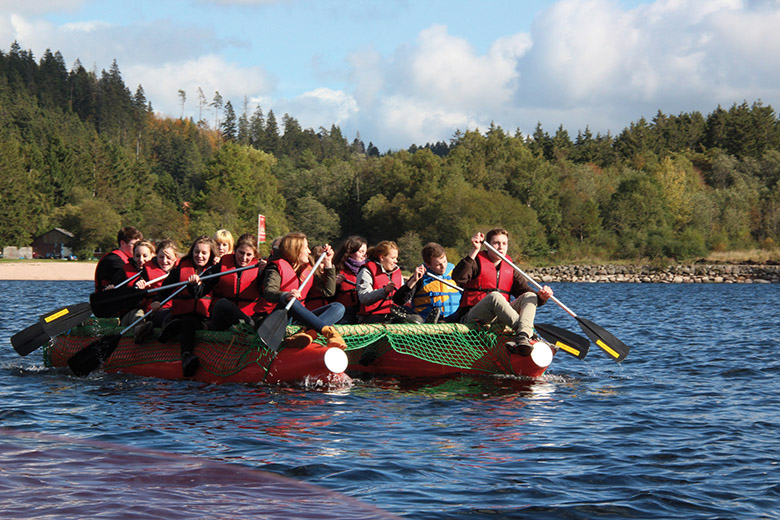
(567, 341)
(54, 323)
(107, 303)
(616, 349)
(271, 331)
(83, 362)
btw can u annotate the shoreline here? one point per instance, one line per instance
(57, 270)
(47, 270)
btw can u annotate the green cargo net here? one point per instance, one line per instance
(454, 345)
(224, 353)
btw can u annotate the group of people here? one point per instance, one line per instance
(354, 284)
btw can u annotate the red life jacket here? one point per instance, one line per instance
(184, 303)
(290, 280)
(100, 284)
(346, 292)
(152, 271)
(240, 288)
(315, 299)
(130, 268)
(381, 279)
(490, 279)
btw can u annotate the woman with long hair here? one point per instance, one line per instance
(349, 258)
(380, 286)
(282, 280)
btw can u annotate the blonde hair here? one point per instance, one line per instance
(145, 243)
(224, 236)
(167, 243)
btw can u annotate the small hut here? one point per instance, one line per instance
(53, 244)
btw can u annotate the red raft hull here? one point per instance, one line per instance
(442, 353)
(226, 357)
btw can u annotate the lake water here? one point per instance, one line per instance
(685, 428)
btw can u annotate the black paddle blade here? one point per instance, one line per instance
(29, 339)
(565, 340)
(616, 349)
(83, 362)
(106, 304)
(62, 320)
(271, 331)
(48, 326)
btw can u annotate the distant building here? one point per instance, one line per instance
(53, 244)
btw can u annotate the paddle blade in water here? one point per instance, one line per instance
(565, 340)
(29, 339)
(271, 331)
(64, 319)
(616, 349)
(83, 362)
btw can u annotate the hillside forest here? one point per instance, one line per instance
(81, 151)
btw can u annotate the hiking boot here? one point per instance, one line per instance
(334, 337)
(142, 332)
(189, 364)
(520, 344)
(170, 331)
(433, 316)
(301, 339)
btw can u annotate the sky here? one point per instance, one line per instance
(403, 72)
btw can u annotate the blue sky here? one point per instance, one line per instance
(404, 72)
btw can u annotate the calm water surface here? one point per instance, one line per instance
(685, 428)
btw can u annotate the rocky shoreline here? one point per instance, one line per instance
(691, 273)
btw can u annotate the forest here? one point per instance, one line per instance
(82, 151)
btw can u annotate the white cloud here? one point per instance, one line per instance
(210, 73)
(584, 62)
(39, 6)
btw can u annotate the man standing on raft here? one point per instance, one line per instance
(488, 284)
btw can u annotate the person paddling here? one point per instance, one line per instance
(190, 308)
(380, 287)
(488, 285)
(166, 259)
(111, 263)
(348, 260)
(282, 281)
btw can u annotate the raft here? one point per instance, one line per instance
(233, 356)
(238, 356)
(439, 350)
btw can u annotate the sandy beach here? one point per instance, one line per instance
(47, 270)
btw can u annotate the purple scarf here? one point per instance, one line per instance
(353, 265)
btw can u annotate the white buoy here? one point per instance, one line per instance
(541, 354)
(336, 360)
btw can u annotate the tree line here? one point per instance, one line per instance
(80, 150)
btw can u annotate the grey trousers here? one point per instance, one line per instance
(518, 315)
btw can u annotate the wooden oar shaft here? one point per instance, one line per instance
(527, 277)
